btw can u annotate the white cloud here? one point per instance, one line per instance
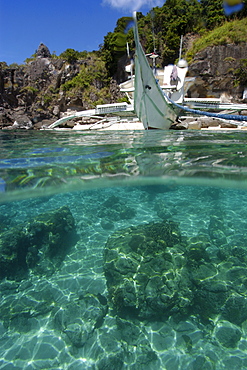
(133, 4)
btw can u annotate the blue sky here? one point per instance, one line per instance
(60, 24)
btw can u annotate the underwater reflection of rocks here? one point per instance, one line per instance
(153, 272)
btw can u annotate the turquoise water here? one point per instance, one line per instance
(123, 250)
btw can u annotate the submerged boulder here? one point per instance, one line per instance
(78, 319)
(153, 272)
(39, 245)
(146, 272)
(227, 334)
(114, 209)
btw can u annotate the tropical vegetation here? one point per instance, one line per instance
(160, 30)
(230, 32)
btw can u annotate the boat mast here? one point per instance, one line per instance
(153, 55)
(180, 48)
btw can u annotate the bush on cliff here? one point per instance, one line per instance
(228, 33)
(71, 55)
(93, 71)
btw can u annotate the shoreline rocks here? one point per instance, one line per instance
(200, 123)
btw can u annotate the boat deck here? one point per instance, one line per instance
(213, 103)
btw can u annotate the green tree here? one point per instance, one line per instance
(174, 19)
(14, 65)
(92, 72)
(212, 13)
(71, 55)
(114, 46)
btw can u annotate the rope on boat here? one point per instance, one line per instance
(234, 117)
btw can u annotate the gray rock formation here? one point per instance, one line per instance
(43, 51)
(34, 89)
(214, 68)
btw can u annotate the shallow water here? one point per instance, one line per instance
(71, 294)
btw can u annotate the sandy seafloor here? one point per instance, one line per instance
(42, 342)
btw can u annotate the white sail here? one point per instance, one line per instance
(150, 104)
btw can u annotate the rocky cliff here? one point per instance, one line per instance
(32, 95)
(216, 69)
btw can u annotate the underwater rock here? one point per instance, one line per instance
(216, 231)
(5, 222)
(107, 224)
(77, 334)
(145, 269)
(129, 332)
(197, 250)
(220, 290)
(127, 340)
(115, 362)
(227, 334)
(202, 362)
(39, 245)
(113, 209)
(23, 303)
(78, 320)
(152, 272)
(237, 275)
(209, 300)
(162, 211)
(240, 254)
(235, 309)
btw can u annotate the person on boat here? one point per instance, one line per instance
(174, 75)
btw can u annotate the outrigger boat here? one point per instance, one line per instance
(156, 97)
(151, 90)
(159, 96)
